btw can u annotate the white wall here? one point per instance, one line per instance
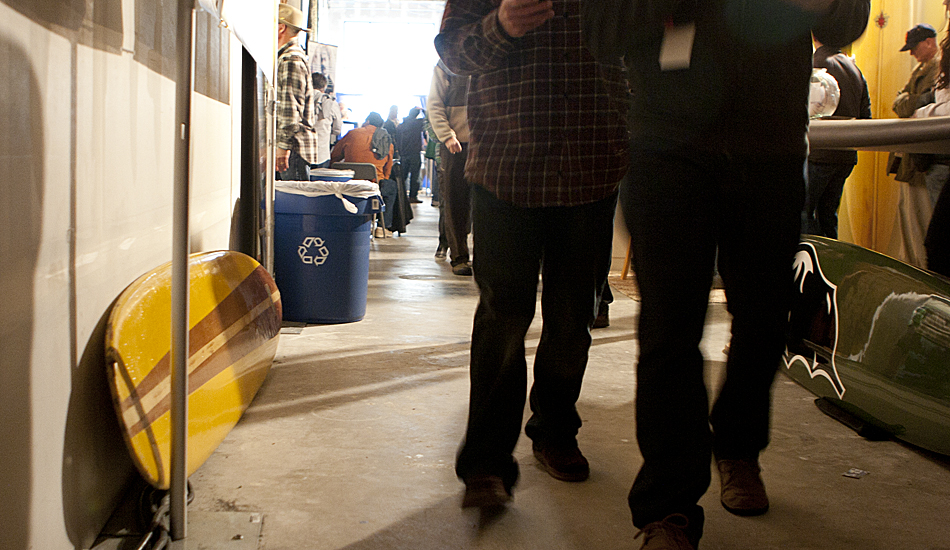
(86, 139)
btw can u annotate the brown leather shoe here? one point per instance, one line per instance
(668, 534)
(563, 462)
(486, 492)
(743, 492)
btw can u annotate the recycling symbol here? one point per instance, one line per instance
(313, 251)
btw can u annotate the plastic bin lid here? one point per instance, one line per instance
(361, 189)
(331, 174)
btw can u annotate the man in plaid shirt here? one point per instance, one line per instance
(296, 136)
(547, 151)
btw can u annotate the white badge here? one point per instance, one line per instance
(677, 47)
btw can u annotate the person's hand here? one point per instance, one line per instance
(283, 159)
(518, 17)
(453, 145)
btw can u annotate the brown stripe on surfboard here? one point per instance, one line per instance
(235, 305)
(240, 345)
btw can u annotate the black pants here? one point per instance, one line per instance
(457, 202)
(570, 246)
(937, 241)
(411, 163)
(680, 206)
(823, 196)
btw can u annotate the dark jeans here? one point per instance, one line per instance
(822, 197)
(298, 169)
(570, 246)
(680, 205)
(457, 199)
(389, 190)
(411, 168)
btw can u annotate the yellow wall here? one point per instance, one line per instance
(869, 205)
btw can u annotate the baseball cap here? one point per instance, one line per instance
(917, 35)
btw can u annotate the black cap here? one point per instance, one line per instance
(917, 35)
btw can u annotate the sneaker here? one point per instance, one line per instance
(464, 269)
(603, 316)
(565, 463)
(743, 492)
(668, 534)
(486, 492)
(440, 253)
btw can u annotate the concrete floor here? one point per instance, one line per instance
(350, 443)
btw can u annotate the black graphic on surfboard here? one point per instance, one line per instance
(813, 320)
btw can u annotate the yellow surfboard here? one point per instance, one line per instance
(235, 316)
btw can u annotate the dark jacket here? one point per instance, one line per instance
(409, 136)
(746, 89)
(854, 101)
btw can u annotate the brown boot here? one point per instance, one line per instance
(743, 492)
(668, 534)
(486, 492)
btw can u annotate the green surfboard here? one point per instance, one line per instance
(871, 335)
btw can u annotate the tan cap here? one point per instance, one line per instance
(289, 15)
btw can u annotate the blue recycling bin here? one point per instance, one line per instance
(321, 256)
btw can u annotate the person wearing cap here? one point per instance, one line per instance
(296, 135)
(921, 42)
(915, 198)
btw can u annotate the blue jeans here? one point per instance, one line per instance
(822, 197)
(681, 205)
(570, 247)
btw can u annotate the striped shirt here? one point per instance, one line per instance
(295, 117)
(548, 123)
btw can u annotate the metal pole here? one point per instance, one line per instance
(180, 244)
(270, 117)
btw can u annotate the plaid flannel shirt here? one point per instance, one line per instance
(295, 117)
(548, 122)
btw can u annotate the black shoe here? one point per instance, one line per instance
(486, 492)
(440, 253)
(415, 201)
(563, 462)
(603, 316)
